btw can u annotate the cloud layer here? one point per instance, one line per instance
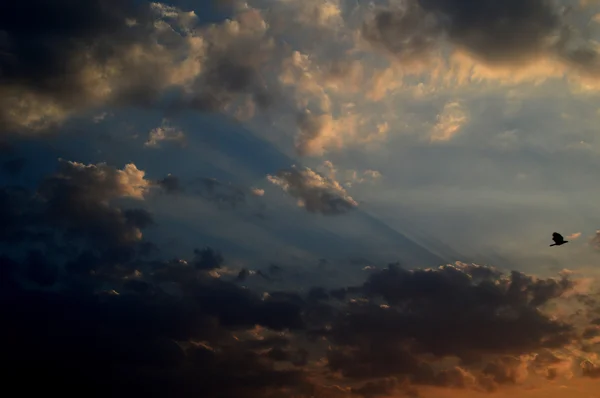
(413, 102)
(97, 303)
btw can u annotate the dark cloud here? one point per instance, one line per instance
(207, 259)
(120, 53)
(45, 55)
(377, 388)
(123, 345)
(140, 337)
(443, 313)
(510, 32)
(316, 193)
(78, 198)
(409, 33)
(86, 309)
(499, 32)
(120, 321)
(170, 184)
(36, 46)
(229, 74)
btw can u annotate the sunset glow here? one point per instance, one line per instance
(300, 198)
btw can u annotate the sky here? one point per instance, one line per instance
(317, 198)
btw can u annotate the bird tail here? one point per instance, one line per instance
(554, 244)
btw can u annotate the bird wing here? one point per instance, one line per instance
(556, 237)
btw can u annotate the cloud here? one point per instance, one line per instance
(482, 309)
(127, 321)
(449, 122)
(112, 343)
(91, 298)
(319, 133)
(409, 32)
(124, 315)
(232, 56)
(104, 52)
(170, 184)
(115, 53)
(241, 200)
(349, 178)
(78, 201)
(79, 197)
(513, 35)
(165, 132)
(316, 193)
(574, 235)
(595, 240)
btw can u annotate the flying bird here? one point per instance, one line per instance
(558, 239)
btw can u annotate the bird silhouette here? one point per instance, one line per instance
(558, 239)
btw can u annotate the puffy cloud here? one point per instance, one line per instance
(320, 133)
(314, 192)
(78, 203)
(257, 60)
(98, 182)
(574, 235)
(235, 52)
(124, 53)
(479, 317)
(79, 197)
(165, 132)
(107, 52)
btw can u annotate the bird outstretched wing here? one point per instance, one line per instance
(557, 238)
